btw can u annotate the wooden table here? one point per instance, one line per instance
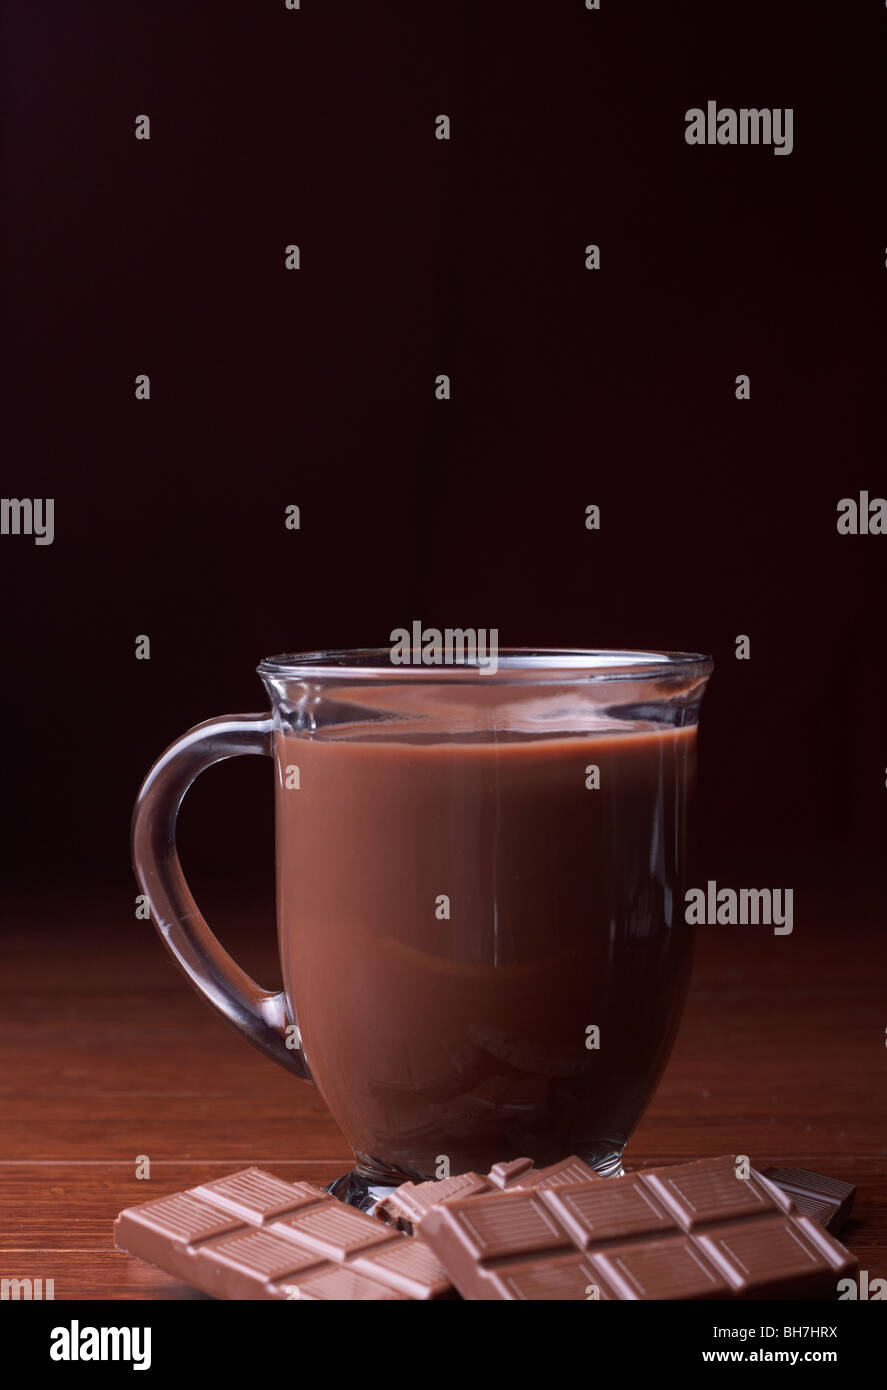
(106, 1054)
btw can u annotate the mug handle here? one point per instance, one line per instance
(259, 1015)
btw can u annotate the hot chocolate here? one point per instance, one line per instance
(457, 918)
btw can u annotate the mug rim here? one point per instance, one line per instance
(514, 664)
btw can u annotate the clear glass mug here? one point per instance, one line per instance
(480, 888)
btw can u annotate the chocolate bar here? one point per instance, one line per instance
(689, 1231)
(407, 1204)
(827, 1200)
(253, 1236)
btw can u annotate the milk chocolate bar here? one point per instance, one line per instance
(827, 1200)
(253, 1236)
(406, 1206)
(689, 1231)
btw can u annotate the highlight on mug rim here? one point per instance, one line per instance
(514, 664)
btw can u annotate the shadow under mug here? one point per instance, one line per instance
(480, 888)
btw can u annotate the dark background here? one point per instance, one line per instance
(316, 387)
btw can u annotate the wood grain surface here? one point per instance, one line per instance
(106, 1054)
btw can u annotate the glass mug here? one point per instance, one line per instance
(480, 891)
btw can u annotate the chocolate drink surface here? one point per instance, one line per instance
(456, 917)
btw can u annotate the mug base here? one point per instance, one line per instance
(357, 1191)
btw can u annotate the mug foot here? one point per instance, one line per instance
(604, 1160)
(357, 1191)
